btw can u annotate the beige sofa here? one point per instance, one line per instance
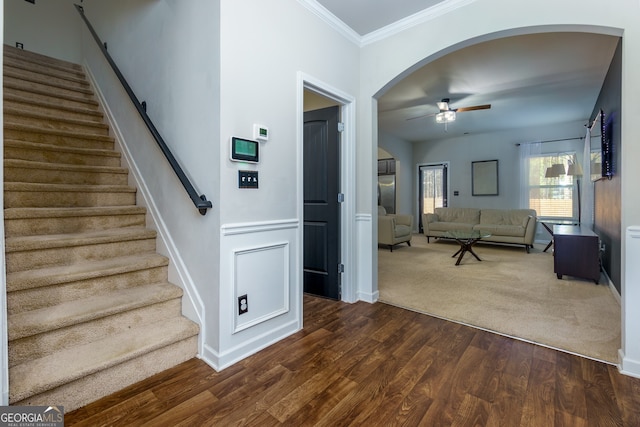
(513, 226)
(393, 229)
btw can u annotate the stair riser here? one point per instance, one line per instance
(27, 199)
(17, 70)
(48, 89)
(55, 123)
(90, 388)
(50, 156)
(76, 102)
(86, 114)
(41, 226)
(56, 139)
(52, 176)
(50, 342)
(23, 260)
(31, 299)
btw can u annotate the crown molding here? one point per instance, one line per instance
(421, 17)
(410, 21)
(329, 18)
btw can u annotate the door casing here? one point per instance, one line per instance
(349, 244)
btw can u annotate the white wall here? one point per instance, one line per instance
(389, 59)
(169, 53)
(461, 151)
(57, 24)
(264, 48)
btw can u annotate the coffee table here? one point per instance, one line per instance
(466, 239)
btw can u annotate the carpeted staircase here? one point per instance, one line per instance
(90, 310)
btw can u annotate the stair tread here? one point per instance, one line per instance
(90, 111)
(24, 243)
(28, 323)
(52, 80)
(47, 83)
(40, 59)
(70, 95)
(52, 131)
(40, 96)
(23, 112)
(14, 65)
(47, 276)
(28, 164)
(51, 371)
(88, 188)
(40, 146)
(15, 68)
(62, 71)
(65, 212)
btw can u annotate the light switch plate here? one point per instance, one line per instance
(247, 179)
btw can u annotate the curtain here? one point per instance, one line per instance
(527, 150)
(586, 186)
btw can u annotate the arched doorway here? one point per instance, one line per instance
(459, 152)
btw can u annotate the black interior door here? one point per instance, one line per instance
(321, 206)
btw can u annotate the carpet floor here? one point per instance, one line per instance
(509, 292)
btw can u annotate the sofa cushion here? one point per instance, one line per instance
(463, 215)
(447, 226)
(505, 217)
(501, 230)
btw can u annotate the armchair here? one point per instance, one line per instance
(393, 229)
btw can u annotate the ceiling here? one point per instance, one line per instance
(529, 80)
(367, 16)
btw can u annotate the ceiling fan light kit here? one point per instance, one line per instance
(445, 116)
(448, 114)
(443, 105)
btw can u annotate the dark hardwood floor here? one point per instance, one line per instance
(375, 364)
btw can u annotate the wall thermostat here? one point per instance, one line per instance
(261, 133)
(244, 150)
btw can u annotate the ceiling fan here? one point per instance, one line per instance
(448, 114)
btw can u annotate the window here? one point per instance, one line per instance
(551, 196)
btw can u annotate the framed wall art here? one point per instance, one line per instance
(484, 178)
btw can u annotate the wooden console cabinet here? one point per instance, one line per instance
(576, 252)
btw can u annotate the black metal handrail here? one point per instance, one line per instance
(200, 201)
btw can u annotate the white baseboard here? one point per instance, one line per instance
(368, 297)
(220, 361)
(627, 366)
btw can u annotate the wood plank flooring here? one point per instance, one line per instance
(375, 364)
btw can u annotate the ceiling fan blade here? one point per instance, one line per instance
(475, 107)
(421, 116)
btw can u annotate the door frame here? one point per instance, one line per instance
(347, 180)
(419, 186)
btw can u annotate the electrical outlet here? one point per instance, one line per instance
(243, 304)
